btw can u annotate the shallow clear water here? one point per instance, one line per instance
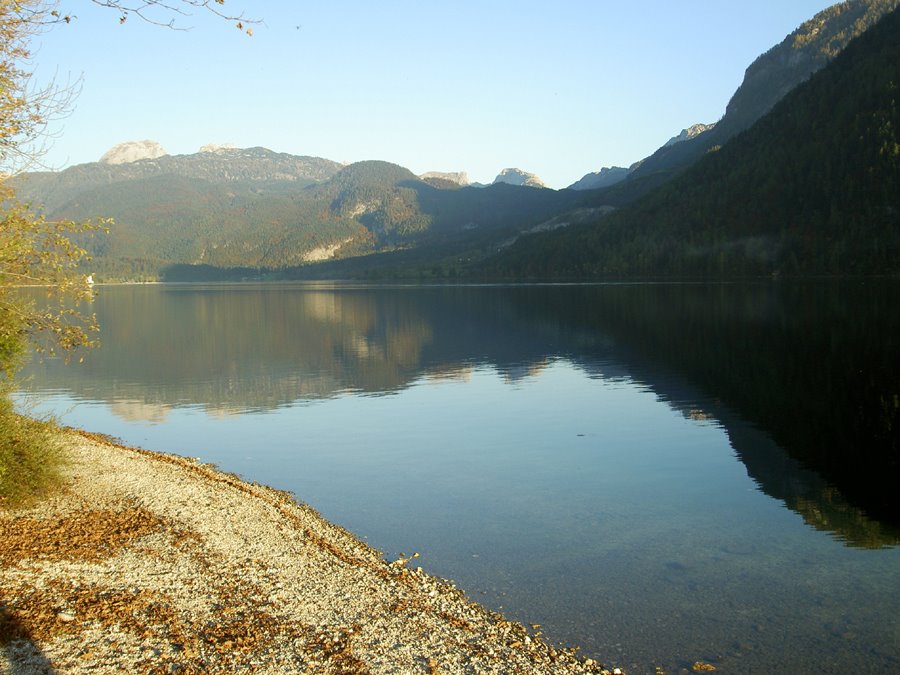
(550, 449)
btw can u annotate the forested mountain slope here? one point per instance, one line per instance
(53, 189)
(766, 81)
(263, 212)
(796, 195)
(810, 189)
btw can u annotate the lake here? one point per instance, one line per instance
(659, 473)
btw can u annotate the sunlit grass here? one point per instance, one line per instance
(31, 455)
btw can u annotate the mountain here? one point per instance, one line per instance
(251, 212)
(518, 177)
(690, 133)
(133, 151)
(606, 177)
(222, 165)
(402, 214)
(217, 147)
(768, 79)
(772, 75)
(445, 179)
(811, 188)
(248, 212)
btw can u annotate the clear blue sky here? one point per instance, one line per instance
(559, 89)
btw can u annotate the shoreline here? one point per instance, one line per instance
(144, 561)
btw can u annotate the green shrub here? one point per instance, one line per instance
(30, 454)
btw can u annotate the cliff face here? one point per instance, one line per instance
(687, 134)
(460, 178)
(799, 55)
(518, 177)
(133, 151)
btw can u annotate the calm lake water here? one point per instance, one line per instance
(660, 474)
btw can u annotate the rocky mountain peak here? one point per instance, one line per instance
(133, 151)
(687, 134)
(458, 177)
(514, 176)
(217, 147)
(600, 179)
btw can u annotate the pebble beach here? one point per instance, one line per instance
(154, 563)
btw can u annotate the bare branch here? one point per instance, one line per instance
(170, 11)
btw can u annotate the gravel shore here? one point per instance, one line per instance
(145, 562)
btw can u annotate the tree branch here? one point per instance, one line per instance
(144, 9)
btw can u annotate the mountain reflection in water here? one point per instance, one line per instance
(804, 377)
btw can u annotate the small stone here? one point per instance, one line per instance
(66, 617)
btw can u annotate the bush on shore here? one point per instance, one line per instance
(30, 454)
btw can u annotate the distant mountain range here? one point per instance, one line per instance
(226, 212)
(609, 176)
(259, 210)
(511, 176)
